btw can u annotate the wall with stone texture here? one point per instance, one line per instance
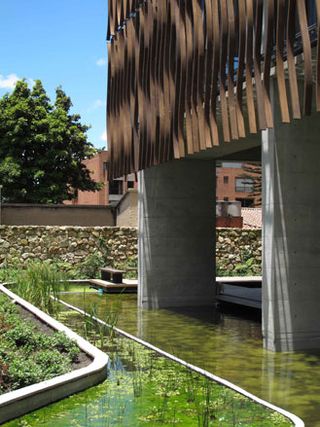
(18, 244)
(238, 251)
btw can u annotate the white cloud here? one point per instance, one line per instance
(103, 136)
(101, 62)
(31, 83)
(8, 82)
(98, 103)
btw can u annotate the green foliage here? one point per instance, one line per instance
(42, 147)
(130, 265)
(28, 356)
(90, 267)
(38, 283)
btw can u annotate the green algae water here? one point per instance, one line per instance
(228, 345)
(144, 389)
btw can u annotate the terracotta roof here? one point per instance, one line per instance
(252, 217)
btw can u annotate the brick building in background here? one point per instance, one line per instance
(111, 192)
(232, 184)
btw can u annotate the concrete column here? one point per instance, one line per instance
(177, 234)
(291, 235)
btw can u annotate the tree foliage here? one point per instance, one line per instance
(42, 147)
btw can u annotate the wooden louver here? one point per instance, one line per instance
(188, 75)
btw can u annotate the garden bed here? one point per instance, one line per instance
(31, 351)
(41, 360)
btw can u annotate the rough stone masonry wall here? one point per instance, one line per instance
(238, 251)
(19, 244)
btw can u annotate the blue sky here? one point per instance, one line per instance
(61, 42)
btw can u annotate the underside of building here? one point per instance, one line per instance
(192, 82)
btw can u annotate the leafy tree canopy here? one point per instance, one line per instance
(42, 146)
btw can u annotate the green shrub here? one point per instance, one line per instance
(23, 371)
(28, 356)
(90, 268)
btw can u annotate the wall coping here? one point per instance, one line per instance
(53, 206)
(67, 227)
(19, 402)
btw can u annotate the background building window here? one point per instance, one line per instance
(225, 179)
(115, 187)
(246, 203)
(226, 199)
(244, 185)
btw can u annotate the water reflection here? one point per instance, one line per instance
(227, 344)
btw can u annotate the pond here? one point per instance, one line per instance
(144, 388)
(226, 343)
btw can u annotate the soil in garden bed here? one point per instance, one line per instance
(42, 327)
(31, 351)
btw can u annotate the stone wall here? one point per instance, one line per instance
(238, 251)
(18, 244)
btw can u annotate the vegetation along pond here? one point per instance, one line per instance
(227, 344)
(143, 388)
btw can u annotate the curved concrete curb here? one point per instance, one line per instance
(295, 419)
(27, 399)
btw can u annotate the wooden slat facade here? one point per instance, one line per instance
(188, 75)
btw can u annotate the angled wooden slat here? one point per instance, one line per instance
(303, 23)
(249, 67)
(189, 57)
(281, 31)
(209, 39)
(222, 71)
(230, 79)
(241, 66)
(269, 16)
(194, 80)
(293, 83)
(215, 74)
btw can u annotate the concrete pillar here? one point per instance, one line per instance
(177, 234)
(291, 235)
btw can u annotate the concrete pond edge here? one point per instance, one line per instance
(292, 417)
(27, 399)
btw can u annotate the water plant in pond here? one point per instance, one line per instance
(144, 388)
(38, 283)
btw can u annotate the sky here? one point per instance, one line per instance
(60, 42)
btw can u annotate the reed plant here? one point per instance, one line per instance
(38, 283)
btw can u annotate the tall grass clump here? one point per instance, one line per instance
(38, 283)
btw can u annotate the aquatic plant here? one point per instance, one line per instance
(38, 283)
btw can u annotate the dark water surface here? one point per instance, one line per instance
(226, 343)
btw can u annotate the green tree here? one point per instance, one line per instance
(42, 147)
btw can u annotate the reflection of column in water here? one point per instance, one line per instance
(276, 377)
(140, 325)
